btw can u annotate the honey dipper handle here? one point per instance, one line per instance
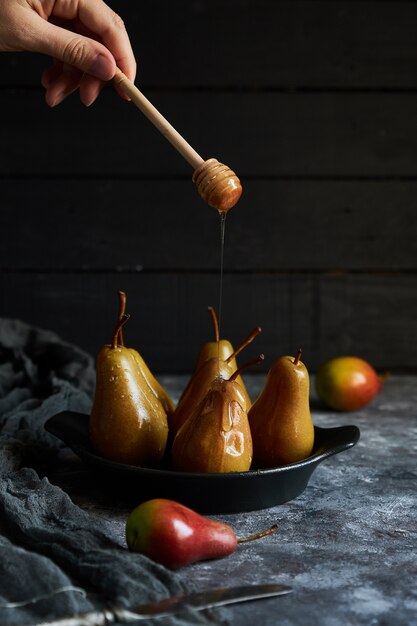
(157, 119)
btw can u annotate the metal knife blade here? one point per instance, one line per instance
(198, 601)
(212, 597)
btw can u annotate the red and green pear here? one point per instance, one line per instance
(174, 535)
(347, 383)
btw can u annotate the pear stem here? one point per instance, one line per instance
(245, 365)
(263, 533)
(297, 357)
(120, 324)
(247, 341)
(122, 309)
(215, 323)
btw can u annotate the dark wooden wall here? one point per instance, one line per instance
(313, 104)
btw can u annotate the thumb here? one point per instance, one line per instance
(86, 54)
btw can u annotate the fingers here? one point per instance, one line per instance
(73, 49)
(90, 88)
(60, 81)
(93, 62)
(104, 22)
(51, 73)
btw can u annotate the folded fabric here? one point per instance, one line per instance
(52, 551)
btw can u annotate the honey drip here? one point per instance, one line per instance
(222, 215)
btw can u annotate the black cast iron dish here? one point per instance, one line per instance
(233, 492)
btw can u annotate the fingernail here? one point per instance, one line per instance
(101, 68)
(88, 102)
(57, 100)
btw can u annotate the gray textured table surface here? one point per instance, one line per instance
(347, 546)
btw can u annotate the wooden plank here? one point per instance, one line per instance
(368, 315)
(312, 135)
(163, 225)
(241, 43)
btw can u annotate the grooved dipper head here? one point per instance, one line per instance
(217, 184)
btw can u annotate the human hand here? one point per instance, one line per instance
(86, 38)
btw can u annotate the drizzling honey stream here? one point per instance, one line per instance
(216, 183)
(223, 215)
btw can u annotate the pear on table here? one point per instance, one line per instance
(347, 383)
(280, 419)
(174, 535)
(216, 437)
(128, 423)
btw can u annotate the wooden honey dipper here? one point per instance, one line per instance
(216, 183)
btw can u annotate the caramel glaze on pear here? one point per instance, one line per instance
(128, 424)
(216, 437)
(196, 391)
(280, 419)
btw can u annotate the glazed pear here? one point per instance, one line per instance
(223, 350)
(216, 437)
(156, 388)
(128, 424)
(209, 371)
(196, 391)
(280, 419)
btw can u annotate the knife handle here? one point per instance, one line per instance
(105, 617)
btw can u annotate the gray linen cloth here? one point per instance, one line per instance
(49, 547)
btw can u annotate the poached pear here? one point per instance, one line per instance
(216, 437)
(209, 370)
(196, 391)
(280, 419)
(153, 384)
(128, 424)
(223, 350)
